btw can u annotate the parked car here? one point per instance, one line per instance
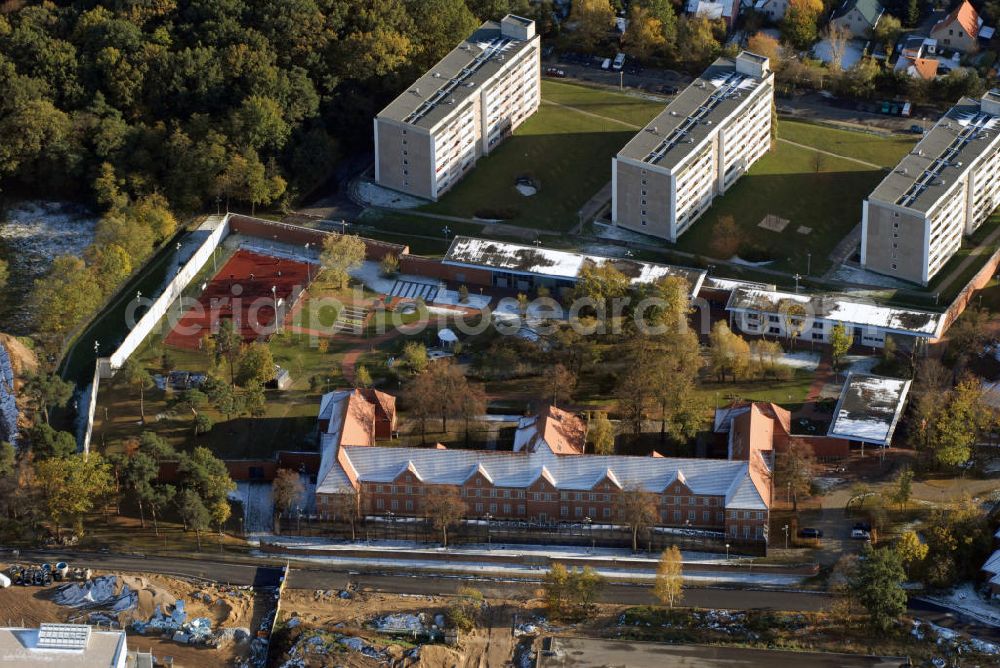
(555, 72)
(861, 534)
(810, 532)
(619, 61)
(916, 129)
(606, 64)
(668, 89)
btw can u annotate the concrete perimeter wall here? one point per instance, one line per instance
(977, 282)
(105, 367)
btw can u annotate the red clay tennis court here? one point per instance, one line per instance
(241, 292)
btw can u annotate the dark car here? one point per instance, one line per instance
(809, 532)
(669, 90)
(916, 129)
(555, 72)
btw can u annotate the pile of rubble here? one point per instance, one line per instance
(952, 641)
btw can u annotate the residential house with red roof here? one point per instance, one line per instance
(960, 29)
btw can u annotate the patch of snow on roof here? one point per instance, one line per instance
(869, 408)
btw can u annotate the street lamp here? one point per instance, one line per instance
(489, 537)
(308, 264)
(274, 294)
(727, 552)
(797, 277)
(390, 517)
(446, 230)
(785, 528)
(590, 530)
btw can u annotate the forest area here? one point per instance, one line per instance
(250, 100)
(150, 111)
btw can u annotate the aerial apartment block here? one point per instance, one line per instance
(433, 133)
(914, 220)
(695, 149)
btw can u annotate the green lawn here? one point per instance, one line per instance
(788, 393)
(885, 151)
(568, 153)
(807, 188)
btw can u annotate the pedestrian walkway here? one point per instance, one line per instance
(832, 155)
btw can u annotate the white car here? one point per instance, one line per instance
(619, 61)
(860, 534)
(606, 64)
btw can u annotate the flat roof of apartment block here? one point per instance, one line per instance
(454, 78)
(691, 116)
(558, 264)
(940, 159)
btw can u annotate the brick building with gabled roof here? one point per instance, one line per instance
(561, 432)
(547, 480)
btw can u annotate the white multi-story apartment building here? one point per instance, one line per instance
(914, 220)
(695, 149)
(433, 133)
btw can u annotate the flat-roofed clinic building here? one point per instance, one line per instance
(914, 220)
(695, 149)
(458, 111)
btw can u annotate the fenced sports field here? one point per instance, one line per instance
(246, 290)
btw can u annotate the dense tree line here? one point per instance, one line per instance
(248, 100)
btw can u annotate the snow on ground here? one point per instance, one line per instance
(258, 505)
(519, 571)
(376, 195)
(539, 310)
(370, 273)
(860, 363)
(966, 600)
(451, 298)
(853, 51)
(850, 274)
(34, 233)
(802, 359)
(736, 259)
(476, 549)
(620, 234)
(605, 250)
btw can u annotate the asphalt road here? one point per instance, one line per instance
(267, 573)
(592, 652)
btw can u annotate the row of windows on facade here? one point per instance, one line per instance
(578, 511)
(544, 496)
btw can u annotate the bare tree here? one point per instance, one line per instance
(287, 491)
(837, 37)
(346, 506)
(445, 507)
(638, 511)
(559, 384)
(794, 470)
